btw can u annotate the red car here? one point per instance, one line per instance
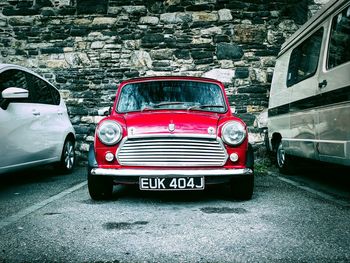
(171, 133)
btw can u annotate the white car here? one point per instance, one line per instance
(34, 124)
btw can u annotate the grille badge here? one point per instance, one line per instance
(132, 131)
(211, 130)
(171, 127)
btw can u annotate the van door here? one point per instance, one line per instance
(278, 113)
(334, 92)
(303, 82)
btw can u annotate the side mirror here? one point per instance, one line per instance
(233, 109)
(12, 94)
(15, 93)
(108, 112)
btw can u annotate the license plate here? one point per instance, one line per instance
(176, 183)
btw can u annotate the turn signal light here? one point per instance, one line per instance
(109, 157)
(234, 157)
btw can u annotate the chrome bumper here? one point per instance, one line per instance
(170, 173)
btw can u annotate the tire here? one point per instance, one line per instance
(266, 142)
(242, 188)
(283, 160)
(67, 162)
(100, 188)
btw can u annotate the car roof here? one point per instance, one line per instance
(171, 78)
(13, 66)
(2, 65)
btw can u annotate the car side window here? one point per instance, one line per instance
(43, 92)
(13, 78)
(55, 95)
(304, 59)
(339, 51)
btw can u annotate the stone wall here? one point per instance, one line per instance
(87, 47)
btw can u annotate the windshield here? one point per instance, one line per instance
(184, 95)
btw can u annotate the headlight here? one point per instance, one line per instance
(109, 132)
(233, 133)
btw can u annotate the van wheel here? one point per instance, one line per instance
(100, 188)
(67, 161)
(284, 161)
(242, 187)
(266, 142)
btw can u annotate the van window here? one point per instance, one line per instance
(339, 43)
(304, 59)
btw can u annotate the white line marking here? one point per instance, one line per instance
(15, 217)
(313, 191)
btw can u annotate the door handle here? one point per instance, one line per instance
(36, 113)
(60, 113)
(322, 84)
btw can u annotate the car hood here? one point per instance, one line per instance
(148, 123)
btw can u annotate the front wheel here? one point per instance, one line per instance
(284, 161)
(100, 188)
(67, 161)
(242, 188)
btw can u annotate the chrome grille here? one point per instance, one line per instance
(171, 151)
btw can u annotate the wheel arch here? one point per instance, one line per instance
(250, 157)
(70, 136)
(275, 140)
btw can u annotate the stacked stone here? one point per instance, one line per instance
(87, 47)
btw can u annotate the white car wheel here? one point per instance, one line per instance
(68, 157)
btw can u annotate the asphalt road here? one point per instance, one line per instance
(47, 217)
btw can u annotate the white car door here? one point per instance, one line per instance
(20, 126)
(48, 104)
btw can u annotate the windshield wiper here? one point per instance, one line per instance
(147, 108)
(198, 107)
(154, 106)
(167, 103)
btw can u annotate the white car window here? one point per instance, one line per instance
(13, 79)
(43, 92)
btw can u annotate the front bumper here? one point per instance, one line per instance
(170, 173)
(212, 176)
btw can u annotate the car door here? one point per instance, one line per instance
(334, 91)
(20, 126)
(47, 101)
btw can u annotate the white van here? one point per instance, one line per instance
(309, 107)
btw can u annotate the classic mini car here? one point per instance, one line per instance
(34, 125)
(171, 133)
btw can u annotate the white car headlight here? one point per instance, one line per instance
(109, 132)
(233, 133)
